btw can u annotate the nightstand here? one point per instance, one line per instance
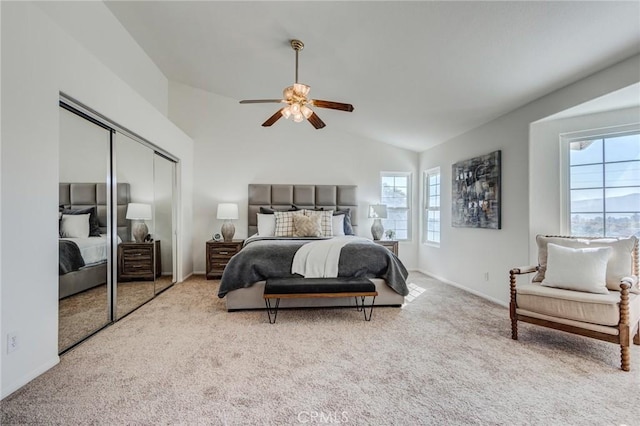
(392, 245)
(218, 255)
(139, 261)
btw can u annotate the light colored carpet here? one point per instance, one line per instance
(85, 312)
(446, 357)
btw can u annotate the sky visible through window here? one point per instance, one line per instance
(605, 186)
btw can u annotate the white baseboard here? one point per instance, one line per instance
(12, 387)
(467, 289)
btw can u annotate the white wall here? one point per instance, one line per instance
(39, 60)
(232, 150)
(92, 24)
(466, 254)
(544, 184)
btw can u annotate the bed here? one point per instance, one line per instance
(265, 256)
(83, 261)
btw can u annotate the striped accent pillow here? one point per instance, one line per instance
(326, 220)
(284, 223)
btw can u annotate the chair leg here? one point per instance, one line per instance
(513, 305)
(636, 337)
(624, 356)
(514, 322)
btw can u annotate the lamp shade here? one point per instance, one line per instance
(139, 211)
(378, 211)
(227, 211)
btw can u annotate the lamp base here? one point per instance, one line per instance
(228, 229)
(377, 230)
(140, 231)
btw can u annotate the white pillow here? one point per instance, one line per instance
(266, 225)
(75, 226)
(581, 269)
(620, 263)
(337, 223)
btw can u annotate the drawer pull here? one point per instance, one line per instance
(223, 252)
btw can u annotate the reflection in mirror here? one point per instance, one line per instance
(138, 252)
(83, 306)
(164, 171)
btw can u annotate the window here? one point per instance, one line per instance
(431, 215)
(395, 193)
(604, 185)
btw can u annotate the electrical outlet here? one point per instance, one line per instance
(12, 342)
(486, 276)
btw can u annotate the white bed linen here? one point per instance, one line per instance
(319, 259)
(92, 249)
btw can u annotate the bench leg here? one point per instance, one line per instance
(364, 308)
(272, 310)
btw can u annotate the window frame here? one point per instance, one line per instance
(427, 207)
(409, 177)
(565, 167)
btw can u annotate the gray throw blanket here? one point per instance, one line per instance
(70, 257)
(263, 258)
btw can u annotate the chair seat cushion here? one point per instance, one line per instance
(593, 308)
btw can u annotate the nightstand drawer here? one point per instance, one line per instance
(143, 268)
(134, 254)
(218, 265)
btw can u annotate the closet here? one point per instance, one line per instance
(117, 229)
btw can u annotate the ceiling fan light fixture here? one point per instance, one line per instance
(286, 112)
(306, 111)
(295, 99)
(301, 89)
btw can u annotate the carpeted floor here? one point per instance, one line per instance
(446, 357)
(85, 312)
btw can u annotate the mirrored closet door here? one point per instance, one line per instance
(164, 174)
(117, 224)
(138, 249)
(83, 222)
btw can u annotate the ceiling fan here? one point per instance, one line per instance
(297, 102)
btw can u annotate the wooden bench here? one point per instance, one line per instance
(293, 288)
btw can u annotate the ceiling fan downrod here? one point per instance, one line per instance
(297, 45)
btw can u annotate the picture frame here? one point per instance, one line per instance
(476, 200)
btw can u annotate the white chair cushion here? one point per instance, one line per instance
(580, 306)
(582, 269)
(620, 263)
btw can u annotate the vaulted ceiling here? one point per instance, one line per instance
(417, 73)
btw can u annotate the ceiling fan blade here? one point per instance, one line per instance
(332, 105)
(262, 101)
(275, 117)
(316, 121)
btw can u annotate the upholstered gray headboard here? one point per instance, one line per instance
(329, 197)
(85, 195)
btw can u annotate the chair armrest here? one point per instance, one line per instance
(630, 281)
(521, 270)
(524, 270)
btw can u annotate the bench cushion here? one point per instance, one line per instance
(318, 285)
